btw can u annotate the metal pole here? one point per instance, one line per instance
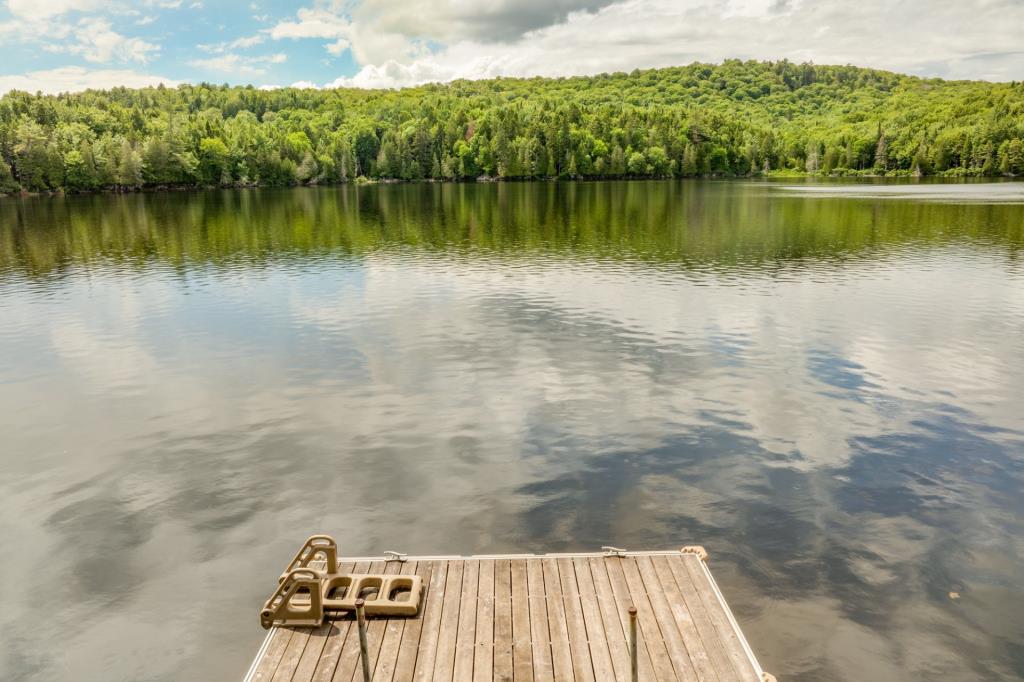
(364, 654)
(633, 668)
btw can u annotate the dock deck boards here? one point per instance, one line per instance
(529, 617)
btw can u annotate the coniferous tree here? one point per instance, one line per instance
(813, 159)
(129, 167)
(828, 162)
(881, 150)
(618, 161)
(7, 181)
(448, 167)
(214, 160)
(689, 167)
(32, 157)
(1011, 157)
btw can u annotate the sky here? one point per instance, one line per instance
(70, 45)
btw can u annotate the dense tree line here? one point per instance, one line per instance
(736, 118)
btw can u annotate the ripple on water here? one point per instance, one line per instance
(823, 392)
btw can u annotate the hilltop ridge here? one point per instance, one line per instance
(734, 118)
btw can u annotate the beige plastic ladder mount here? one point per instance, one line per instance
(701, 553)
(306, 595)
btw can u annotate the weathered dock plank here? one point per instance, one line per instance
(721, 618)
(596, 635)
(503, 620)
(338, 641)
(522, 647)
(582, 666)
(412, 634)
(529, 617)
(483, 650)
(540, 640)
(431, 617)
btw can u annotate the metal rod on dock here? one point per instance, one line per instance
(364, 653)
(633, 668)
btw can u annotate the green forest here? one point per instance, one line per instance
(733, 119)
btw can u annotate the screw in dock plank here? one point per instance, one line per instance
(364, 653)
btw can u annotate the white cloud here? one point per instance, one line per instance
(453, 20)
(35, 10)
(96, 41)
(237, 44)
(10, 30)
(91, 37)
(399, 42)
(370, 41)
(338, 46)
(247, 41)
(392, 74)
(239, 64)
(953, 40)
(312, 23)
(76, 79)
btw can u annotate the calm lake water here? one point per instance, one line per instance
(822, 384)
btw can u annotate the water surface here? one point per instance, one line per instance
(822, 384)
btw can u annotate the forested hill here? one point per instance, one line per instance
(737, 118)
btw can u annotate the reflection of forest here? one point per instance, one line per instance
(715, 223)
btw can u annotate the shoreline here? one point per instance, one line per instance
(483, 180)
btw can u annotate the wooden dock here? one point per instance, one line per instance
(530, 617)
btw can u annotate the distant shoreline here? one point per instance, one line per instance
(366, 182)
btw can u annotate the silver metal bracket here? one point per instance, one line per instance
(395, 556)
(613, 551)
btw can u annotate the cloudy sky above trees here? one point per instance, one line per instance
(56, 45)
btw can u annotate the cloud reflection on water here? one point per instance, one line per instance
(829, 408)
